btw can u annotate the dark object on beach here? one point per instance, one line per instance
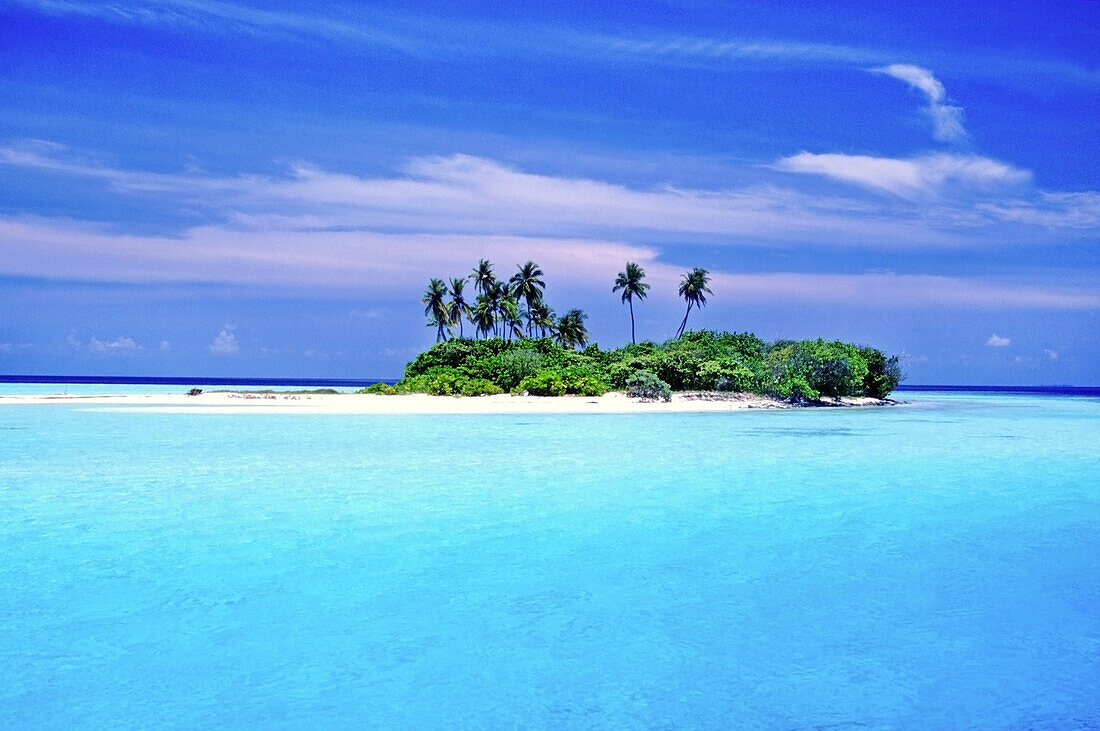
(194, 392)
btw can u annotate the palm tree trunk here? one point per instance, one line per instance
(685, 322)
(631, 303)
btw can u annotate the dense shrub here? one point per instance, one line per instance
(437, 381)
(480, 387)
(509, 368)
(383, 389)
(700, 360)
(648, 387)
(543, 383)
(883, 374)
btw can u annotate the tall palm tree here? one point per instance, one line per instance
(483, 277)
(630, 282)
(458, 308)
(571, 331)
(692, 288)
(527, 284)
(435, 308)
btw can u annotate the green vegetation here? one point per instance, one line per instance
(521, 346)
(648, 387)
(700, 360)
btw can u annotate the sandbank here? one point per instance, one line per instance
(353, 403)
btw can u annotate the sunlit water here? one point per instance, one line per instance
(928, 566)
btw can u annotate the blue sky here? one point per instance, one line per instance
(197, 187)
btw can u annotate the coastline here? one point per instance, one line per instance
(353, 403)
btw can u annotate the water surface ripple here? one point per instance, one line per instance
(929, 566)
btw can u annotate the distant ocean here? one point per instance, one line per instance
(194, 380)
(353, 383)
(927, 566)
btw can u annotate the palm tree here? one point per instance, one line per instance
(692, 288)
(509, 317)
(527, 284)
(630, 282)
(436, 308)
(483, 277)
(458, 309)
(495, 294)
(571, 329)
(542, 317)
(484, 316)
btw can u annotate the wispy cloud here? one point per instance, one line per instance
(379, 265)
(996, 341)
(373, 30)
(462, 194)
(910, 177)
(672, 47)
(119, 346)
(946, 119)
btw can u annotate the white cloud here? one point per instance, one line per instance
(224, 344)
(16, 347)
(461, 194)
(165, 345)
(1051, 354)
(946, 119)
(118, 345)
(996, 341)
(909, 177)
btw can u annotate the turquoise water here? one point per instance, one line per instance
(930, 566)
(120, 389)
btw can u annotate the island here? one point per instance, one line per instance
(700, 365)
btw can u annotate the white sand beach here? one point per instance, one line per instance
(351, 403)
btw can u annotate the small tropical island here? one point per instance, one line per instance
(521, 347)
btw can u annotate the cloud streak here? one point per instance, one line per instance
(910, 178)
(377, 265)
(472, 195)
(946, 119)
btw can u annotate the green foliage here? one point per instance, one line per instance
(543, 383)
(883, 374)
(583, 380)
(648, 387)
(508, 369)
(700, 360)
(810, 369)
(480, 387)
(382, 389)
(437, 381)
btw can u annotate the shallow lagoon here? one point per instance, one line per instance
(926, 566)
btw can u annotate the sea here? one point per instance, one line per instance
(929, 565)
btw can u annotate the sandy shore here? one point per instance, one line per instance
(349, 403)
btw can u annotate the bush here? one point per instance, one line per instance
(794, 387)
(543, 383)
(480, 387)
(648, 387)
(883, 374)
(438, 381)
(509, 368)
(583, 380)
(383, 389)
